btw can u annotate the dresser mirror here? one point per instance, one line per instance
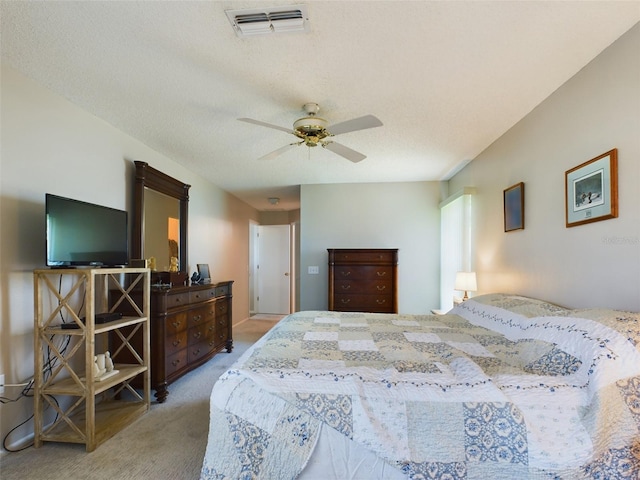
(160, 218)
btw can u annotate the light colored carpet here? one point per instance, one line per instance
(267, 316)
(167, 443)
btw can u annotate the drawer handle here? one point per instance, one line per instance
(197, 295)
(212, 328)
(197, 335)
(346, 287)
(176, 343)
(346, 274)
(196, 352)
(381, 287)
(176, 324)
(178, 300)
(196, 318)
(380, 301)
(175, 363)
(345, 300)
(381, 274)
(221, 308)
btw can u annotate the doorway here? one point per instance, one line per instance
(271, 268)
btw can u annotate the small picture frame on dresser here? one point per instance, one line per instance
(203, 271)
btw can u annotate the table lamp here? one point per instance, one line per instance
(466, 281)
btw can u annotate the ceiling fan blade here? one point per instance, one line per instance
(346, 152)
(265, 124)
(278, 152)
(360, 123)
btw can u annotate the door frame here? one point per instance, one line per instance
(254, 228)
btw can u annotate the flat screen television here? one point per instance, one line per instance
(85, 234)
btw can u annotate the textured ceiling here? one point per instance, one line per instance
(446, 78)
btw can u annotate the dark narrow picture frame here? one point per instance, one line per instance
(513, 198)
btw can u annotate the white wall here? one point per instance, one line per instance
(50, 145)
(381, 215)
(597, 264)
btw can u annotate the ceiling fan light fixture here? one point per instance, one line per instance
(310, 125)
(311, 129)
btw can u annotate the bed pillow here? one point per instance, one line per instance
(627, 323)
(525, 306)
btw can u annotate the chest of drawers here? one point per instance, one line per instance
(363, 280)
(188, 326)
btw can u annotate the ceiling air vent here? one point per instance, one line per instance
(263, 21)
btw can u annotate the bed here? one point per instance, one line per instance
(501, 387)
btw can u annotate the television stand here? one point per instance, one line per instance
(89, 402)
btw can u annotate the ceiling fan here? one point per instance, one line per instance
(313, 131)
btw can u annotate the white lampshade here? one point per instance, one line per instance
(466, 281)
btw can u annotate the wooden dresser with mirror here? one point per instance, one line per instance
(189, 323)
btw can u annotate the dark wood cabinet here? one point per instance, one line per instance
(189, 325)
(363, 280)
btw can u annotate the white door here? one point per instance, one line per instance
(273, 267)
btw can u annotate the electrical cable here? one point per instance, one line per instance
(14, 384)
(50, 362)
(29, 444)
(6, 437)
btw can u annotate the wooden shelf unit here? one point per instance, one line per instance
(88, 411)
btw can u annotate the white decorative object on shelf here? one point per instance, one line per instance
(103, 367)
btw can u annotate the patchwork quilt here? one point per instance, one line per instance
(501, 387)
